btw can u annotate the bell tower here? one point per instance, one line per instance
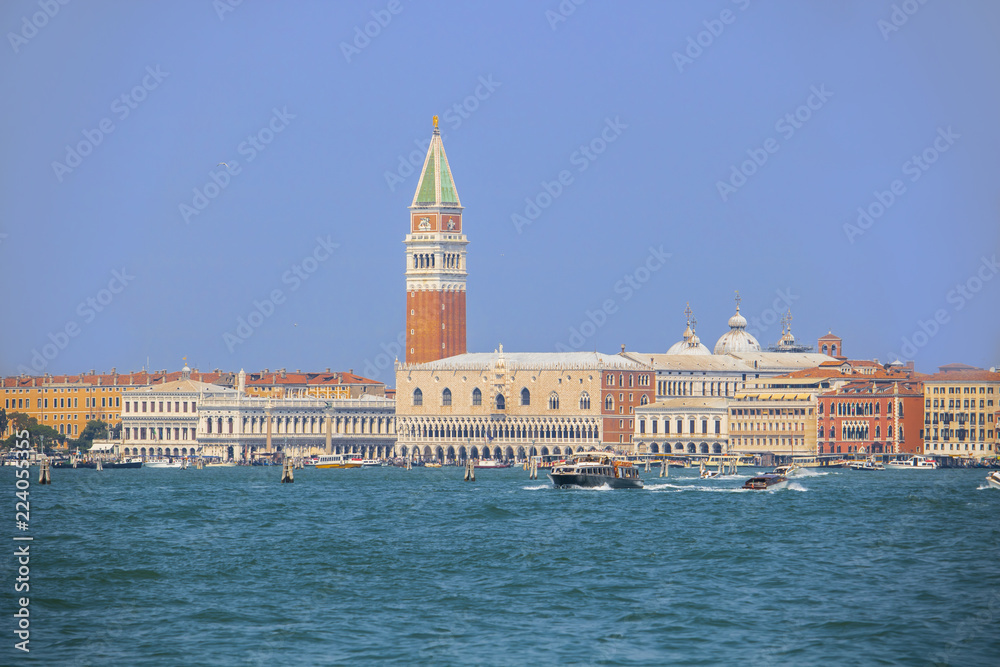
(435, 263)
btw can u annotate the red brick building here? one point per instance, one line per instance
(882, 413)
(622, 391)
(435, 263)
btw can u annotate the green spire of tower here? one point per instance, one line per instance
(436, 186)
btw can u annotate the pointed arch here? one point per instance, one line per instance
(418, 397)
(525, 396)
(446, 397)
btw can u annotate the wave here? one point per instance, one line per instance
(537, 488)
(795, 486)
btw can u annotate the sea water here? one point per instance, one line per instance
(226, 566)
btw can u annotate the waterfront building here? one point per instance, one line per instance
(68, 402)
(191, 418)
(435, 263)
(881, 414)
(960, 412)
(688, 425)
(513, 405)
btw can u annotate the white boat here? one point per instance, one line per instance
(370, 463)
(787, 471)
(914, 463)
(867, 465)
(337, 461)
(491, 463)
(163, 464)
(993, 479)
(221, 464)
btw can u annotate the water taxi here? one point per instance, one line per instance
(337, 461)
(595, 470)
(867, 464)
(914, 463)
(787, 471)
(766, 481)
(131, 462)
(993, 479)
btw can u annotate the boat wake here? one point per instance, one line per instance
(537, 488)
(983, 487)
(677, 488)
(795, 486)
(806, 472)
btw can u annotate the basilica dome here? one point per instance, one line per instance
(689, 343)
(737, 339)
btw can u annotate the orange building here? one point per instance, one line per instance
(68, 402)
(435, 263)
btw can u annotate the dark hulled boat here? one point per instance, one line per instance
(595, 470)
(766, 481)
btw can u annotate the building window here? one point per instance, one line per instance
(609, 403)
(642, 426)
(477, 396)
(500, 402)
(553, 401)
(418, 397)
(525, 396)
(446, 398)
(584, 401)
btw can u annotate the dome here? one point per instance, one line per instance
(737, 339)
(694, 346)
(689, 342)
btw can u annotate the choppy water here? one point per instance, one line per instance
(228, 567)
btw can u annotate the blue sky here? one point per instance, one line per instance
(745, 158)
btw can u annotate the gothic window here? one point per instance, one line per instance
(644, 400)
(501, 404)
(418, 397)
(477, 396)
(553, 401)
(584, 401)
(609, 403)
(525, 397)
(446, 397)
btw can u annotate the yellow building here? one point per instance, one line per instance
(68, 402)
(778, 415)
(961, 404)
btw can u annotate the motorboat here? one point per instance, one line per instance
(337, 461)
(867, 464)
(163, 463)
(595, 470)
(491, 463)
(371, 463)
(787, 471)
(914, 463)
(221, 464)
(432, 465)
(993, 479)
(68, 463)
(767, 481)
(133, 462)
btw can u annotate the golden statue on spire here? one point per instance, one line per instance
(435, 122)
